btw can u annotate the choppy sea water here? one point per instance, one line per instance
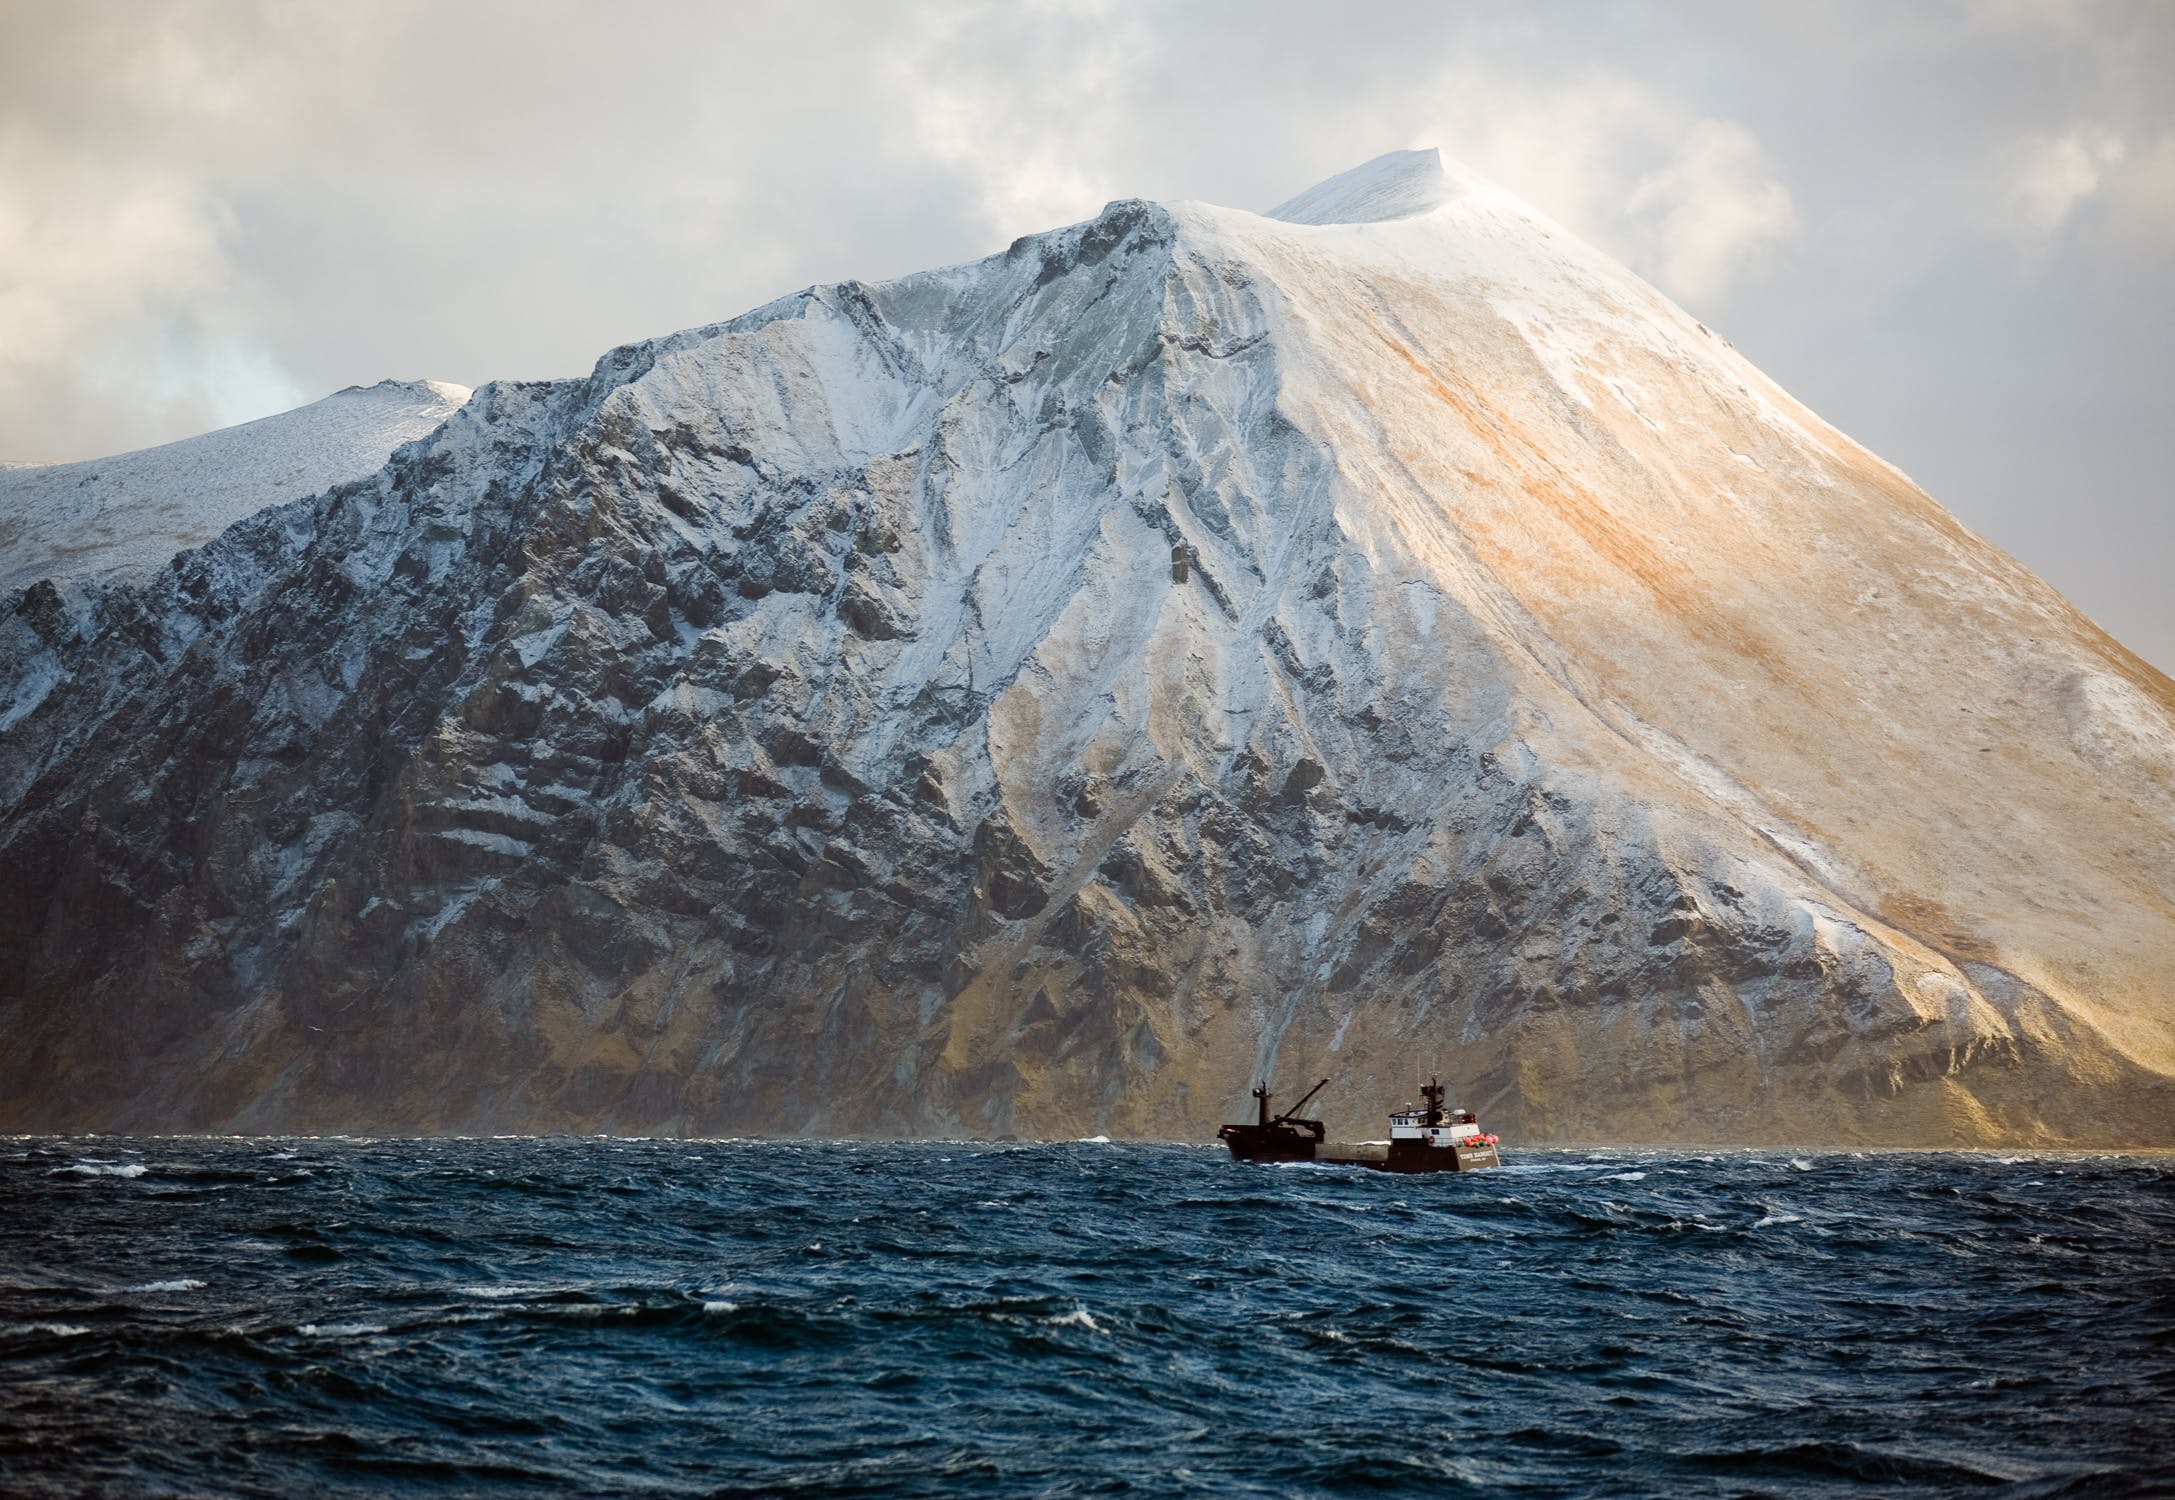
(290, 1317)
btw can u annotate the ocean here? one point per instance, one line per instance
(285, 1317)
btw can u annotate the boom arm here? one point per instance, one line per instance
(1293, 1112)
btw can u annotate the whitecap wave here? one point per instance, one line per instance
(1079, 1317)
(720, 1307)
(103, 1169)
(339, 1330)
(178, 1284)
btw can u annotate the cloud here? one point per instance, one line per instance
(995, 93)
(118, 290)
(124, 316)
(2054, 174)
(1713, 213)
(1691, 201)
(94, 249)
(2141, 197)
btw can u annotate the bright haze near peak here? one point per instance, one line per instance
(1945, 227)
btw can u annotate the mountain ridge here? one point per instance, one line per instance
(119, 517)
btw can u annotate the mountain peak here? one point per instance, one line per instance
(425, 390)
(1397, 185)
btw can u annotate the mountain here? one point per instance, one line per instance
(122, 518)
(1050, 694)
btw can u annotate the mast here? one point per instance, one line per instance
(1432, 1091)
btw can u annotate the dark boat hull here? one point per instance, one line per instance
(1258, 1144)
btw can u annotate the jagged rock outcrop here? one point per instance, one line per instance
(799, 725)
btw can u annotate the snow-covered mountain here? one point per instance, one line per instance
(805, 723)
(123, 517)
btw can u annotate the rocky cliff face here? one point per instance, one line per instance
(799, 725)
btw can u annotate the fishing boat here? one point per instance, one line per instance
(1432, 1139)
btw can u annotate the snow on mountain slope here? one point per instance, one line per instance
(800, 725)
(1401, 185)
(121, 517)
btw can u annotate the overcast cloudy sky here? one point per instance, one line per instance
(1949, 228)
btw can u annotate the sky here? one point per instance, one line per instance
(1947, 227)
